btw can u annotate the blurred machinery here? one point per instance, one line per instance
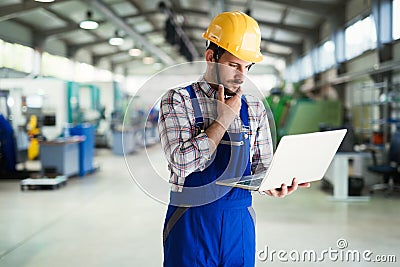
(303, 115)
(12, 150)
(33, 133)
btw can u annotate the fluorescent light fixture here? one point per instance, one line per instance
(135, 52)
(45, 1)
(89, 23)
(148, 60)
(116, 40)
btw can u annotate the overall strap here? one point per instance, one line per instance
(196, 107)
(244, 113)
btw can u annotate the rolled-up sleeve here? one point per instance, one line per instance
(185, 151)
(263, 144)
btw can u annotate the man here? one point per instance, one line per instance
(208, 130)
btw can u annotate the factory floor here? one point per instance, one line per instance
(108, 219)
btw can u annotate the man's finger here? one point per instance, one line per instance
(305, 185)
(294, 186)
(291, 189)
(284, 191)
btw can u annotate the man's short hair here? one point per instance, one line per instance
(214, 47)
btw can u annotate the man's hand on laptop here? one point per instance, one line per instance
(285, 190)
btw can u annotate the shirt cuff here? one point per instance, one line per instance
(203, 146)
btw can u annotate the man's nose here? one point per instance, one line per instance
(242, 70)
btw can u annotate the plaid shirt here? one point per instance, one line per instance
(188, 151)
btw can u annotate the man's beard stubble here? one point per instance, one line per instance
(229, 90)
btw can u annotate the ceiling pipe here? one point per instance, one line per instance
(121, 24)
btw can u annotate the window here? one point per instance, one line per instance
(17, 57)
(326, 55)
(291, 73)
(56, 66)
(360, 37)
(396, 19)
(306, 69)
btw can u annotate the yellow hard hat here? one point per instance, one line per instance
(237, 33)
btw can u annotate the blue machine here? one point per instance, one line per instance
(8, 146)
(86, 148)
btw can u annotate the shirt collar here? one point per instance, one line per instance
(206, 88)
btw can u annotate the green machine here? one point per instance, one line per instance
(296, 116)
(279, 105)
(76, 112)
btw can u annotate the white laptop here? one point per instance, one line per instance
(302, 156)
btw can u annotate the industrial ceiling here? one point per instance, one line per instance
(285, 25)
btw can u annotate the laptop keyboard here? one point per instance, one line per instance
(253, 182)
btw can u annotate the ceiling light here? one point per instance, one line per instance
(45, 1)
(116, 40)
(134, 52)
(148, 60)
(89, 23)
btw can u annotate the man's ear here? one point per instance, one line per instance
(209, 55)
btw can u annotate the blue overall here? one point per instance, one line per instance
(220, 233)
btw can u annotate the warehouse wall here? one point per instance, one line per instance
(55, 47)
(357, 7)
(12, 31)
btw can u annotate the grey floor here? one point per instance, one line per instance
(105, 219)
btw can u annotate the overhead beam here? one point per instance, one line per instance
(186, 11)
(97, 57)
(303, 31)
(276, 54)
(69, 28)
(88, 44)
(121, 24)
(142, 14)
(295, 46)
(126, 61)
(14, 10)
(317, 7)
